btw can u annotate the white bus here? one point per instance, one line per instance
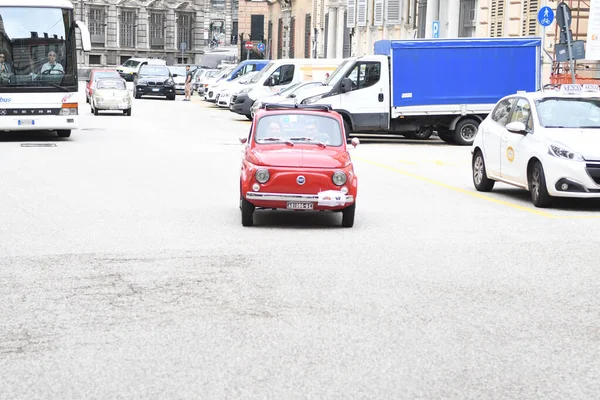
(38, 65)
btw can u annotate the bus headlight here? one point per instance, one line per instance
(68, 109)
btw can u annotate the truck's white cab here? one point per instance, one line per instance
(360, 90)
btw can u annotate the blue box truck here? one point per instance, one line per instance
(416, 87)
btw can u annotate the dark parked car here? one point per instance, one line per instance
(154, 80)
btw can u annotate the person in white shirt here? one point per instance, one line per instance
(52, 67)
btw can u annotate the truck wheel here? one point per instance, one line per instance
(247, 212)
(480, 180)
(465, 131)
(348, 216)
(63, 133)
(423, 133)
(537, 186)
(446, 137)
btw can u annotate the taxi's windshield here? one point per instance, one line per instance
(293, 129)
(556, 112)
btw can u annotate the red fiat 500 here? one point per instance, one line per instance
(296, 159)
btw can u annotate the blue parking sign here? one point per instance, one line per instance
(261, 46)
(435, 29)
(545, 16)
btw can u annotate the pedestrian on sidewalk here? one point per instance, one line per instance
(188, 84)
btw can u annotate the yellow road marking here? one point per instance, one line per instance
(436, 162)
(475, 194)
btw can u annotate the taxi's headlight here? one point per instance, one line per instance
(262, 176)
(561, 151)
(339, 178)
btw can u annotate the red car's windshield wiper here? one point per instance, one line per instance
(276, 139)
(309, 139)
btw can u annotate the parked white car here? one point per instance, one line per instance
(285, 95)
(179, 79)
(213, 83)
(227, 89)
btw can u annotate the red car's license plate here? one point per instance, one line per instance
(299, 206)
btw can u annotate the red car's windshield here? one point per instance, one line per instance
(299, 128)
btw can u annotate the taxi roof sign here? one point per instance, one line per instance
(571, 88)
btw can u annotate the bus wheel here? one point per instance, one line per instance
(64, 132)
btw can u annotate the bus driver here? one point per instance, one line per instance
(52, 67)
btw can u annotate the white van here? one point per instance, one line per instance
(132, 66)
(278, 75)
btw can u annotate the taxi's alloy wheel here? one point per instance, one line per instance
(480, 180)
(348, 216)
(537, 186)
(247, 212)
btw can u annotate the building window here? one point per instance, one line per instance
(269, 38)
(307, 27)
(466, 19)
(217, 4)
(127, 28)
(95, 59)
(280, 38)
(184, 30)
(530, 23)
(257, 27)
(497, 18)
(97, 25)
(124, 58)
(292, 38)
(421, 18)
(235, 5)
(157, 26)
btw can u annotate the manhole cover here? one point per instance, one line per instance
(38, 144)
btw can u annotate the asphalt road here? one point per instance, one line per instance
(125, 273)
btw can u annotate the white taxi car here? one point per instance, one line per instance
(546, 142)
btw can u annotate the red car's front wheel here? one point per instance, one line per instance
(247, 212)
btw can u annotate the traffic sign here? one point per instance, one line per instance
(248, 45)
(545, 16)
(563, 16)
(260, 47)
(436, 29)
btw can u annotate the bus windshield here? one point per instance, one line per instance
(37, 50)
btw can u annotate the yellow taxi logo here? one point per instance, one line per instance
(510, 154)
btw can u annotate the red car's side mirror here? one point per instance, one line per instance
(243, 140)
(355, 142)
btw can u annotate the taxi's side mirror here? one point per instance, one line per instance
(517, 127)
(355, 142)
(243, 140)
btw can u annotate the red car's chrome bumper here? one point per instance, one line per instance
(313, 198)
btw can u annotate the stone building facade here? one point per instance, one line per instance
(178, 31)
